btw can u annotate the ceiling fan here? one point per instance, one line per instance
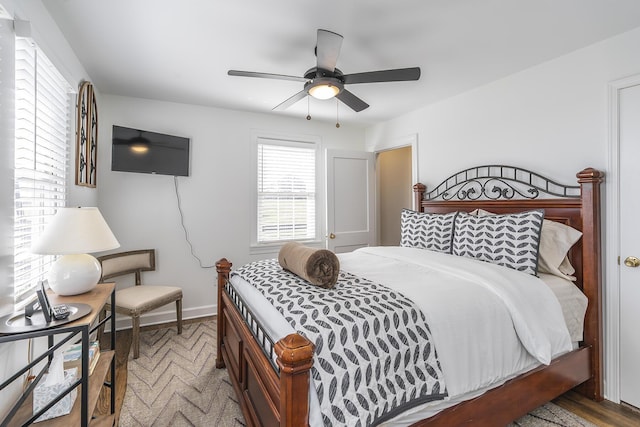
(325, 81)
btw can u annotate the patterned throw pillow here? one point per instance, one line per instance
(555, 241)
(427, 230)
(510, 240)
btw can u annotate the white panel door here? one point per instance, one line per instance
(350, 200)
(629, 134)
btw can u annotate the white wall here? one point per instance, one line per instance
(7, 120)
(551, 118)
(8, 352)
(216, 198)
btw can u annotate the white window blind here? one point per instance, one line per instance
(42, 132)
(286, 191)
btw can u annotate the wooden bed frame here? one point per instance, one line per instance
(271, 380)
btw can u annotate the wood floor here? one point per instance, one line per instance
(602, 414)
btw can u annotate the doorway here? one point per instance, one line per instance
(622, 290)
(394, 177)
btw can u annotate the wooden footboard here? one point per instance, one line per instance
(515, 398)
(279, 396)
(270, 380)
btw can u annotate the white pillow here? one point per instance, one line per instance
(573, 302)
(555, 241)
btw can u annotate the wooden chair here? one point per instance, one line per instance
(139, 299)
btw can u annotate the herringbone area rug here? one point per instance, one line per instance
(175, 383)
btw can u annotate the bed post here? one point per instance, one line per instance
(223, 267)
(295, 358)
(590, 180)
(418, 194)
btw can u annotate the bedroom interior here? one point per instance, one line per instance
(542, 87)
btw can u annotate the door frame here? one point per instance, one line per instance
(612, 238)
(393, 144)
(401, 142)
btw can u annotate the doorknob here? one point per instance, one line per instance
(333, 236)
(632, 261)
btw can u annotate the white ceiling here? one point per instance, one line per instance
(180, 50)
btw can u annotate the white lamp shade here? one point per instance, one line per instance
(73, 233)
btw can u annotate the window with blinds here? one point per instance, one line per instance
(286, 191)
(42, 133)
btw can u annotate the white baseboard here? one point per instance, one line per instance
(165, 316)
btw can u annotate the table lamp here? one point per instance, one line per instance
(74, 233)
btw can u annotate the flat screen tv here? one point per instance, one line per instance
(135, 150)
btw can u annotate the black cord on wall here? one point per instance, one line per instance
(184, 228)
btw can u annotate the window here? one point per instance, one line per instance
(42, 133)
(287, 191)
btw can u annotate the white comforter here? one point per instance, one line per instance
(488, 322)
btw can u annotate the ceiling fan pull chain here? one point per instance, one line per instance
(308, 109)
(337, 116)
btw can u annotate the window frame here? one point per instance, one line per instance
(262, 137)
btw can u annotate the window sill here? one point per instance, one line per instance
(274, 248)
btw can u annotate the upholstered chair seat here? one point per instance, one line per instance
(141, 298)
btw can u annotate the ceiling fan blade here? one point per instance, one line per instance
(328, 49)
(397, 75)
(289, 102)
(352, 101)
(265, 75)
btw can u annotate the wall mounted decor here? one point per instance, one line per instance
(86, 136)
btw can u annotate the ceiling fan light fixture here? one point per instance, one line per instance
(324, 88)
(324, 91)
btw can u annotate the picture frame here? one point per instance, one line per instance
(86, 136)
(45, 305)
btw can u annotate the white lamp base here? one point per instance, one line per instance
(74, 274)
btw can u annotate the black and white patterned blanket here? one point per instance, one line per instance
(374, 357)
